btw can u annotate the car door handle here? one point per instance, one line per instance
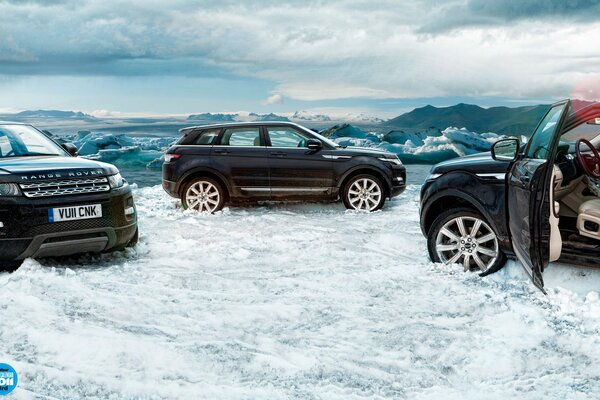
(221, 151)
(279, 154)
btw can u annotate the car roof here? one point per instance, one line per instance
(241, 124)
(11, 123)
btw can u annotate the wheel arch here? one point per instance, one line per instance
(364, 170)
(453, 199)
(203, 173)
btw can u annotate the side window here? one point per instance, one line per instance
(539, 145)
(286, 137)
(207, 137)
(241, 137)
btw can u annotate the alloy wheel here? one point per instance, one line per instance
(364, 194)
(202, 196)
(469, 241)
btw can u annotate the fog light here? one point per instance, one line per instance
(1, 224)
(129, 211)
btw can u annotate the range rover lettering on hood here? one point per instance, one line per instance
(63, 174)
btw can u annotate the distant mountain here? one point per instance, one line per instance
(212, 117)
(306, 116)
(501, 120)
(49, 114)
(222, 117)
(267, 117)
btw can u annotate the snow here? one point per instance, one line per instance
(306, 301)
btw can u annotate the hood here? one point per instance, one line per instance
(475, 163)
(364, 151)
(22, 169)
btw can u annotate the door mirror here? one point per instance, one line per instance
(505, 150)
(70, 148)
(314, 144)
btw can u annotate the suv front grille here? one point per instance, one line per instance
(65, 187)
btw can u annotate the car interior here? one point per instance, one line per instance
(575, 222)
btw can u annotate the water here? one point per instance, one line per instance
(145, 177)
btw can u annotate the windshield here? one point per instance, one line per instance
(23, 141)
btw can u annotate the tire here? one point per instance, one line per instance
(9, 266)
(479, 250)
(364, 193)
(203, 195)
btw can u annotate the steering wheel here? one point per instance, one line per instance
(589, 162)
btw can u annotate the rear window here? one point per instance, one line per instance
(207, 137)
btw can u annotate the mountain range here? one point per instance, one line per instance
(501, 120)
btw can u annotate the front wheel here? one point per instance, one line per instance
(463, 236)
(203, 195)
(364, 193)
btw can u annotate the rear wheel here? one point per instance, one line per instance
(203, 195)
(364, 193)
(463, 236)
(9, 266)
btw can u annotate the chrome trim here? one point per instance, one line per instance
(492, 175)
(284, 189)
(65, 187)
(333, 157)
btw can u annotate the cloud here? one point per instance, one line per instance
(314, 50)
(486, 13)
(273, 99)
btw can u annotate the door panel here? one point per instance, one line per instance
(294, 169)
(529, 197)
(242, 157)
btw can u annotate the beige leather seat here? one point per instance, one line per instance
(588, 220)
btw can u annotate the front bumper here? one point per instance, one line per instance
(26, 231)
(398, 182)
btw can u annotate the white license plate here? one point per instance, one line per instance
(74, 213)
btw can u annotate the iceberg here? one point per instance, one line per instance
(122, 150)
(429, 146)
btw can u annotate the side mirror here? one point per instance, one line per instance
(70, 148)
(506, 150)
(314, 144)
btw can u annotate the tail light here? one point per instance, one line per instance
(172, 157)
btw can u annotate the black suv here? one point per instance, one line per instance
(539, 202)
(53, 203)
(214, 164)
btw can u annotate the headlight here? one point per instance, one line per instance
(116, 181)
(9, 189)
(395, 160)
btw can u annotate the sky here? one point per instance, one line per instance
(380, 58)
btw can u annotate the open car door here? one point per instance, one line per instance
(529, 194)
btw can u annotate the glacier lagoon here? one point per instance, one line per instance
(139, 156)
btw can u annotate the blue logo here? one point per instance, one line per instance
(8, 379)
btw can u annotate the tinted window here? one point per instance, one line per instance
(241, 137)
(539, 146)
(207, 137)
(286, 137)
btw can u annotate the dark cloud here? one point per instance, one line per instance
(456, 15)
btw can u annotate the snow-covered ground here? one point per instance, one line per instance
(303, 301)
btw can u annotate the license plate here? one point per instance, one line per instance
(74, 213)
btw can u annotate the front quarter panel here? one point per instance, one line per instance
(486, 193)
